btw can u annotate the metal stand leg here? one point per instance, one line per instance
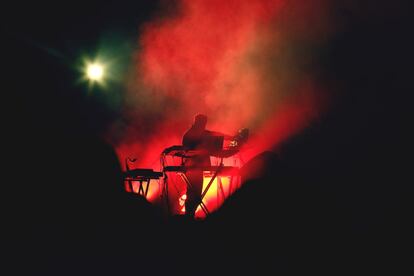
(131, 186)
(165, 194)
(211, 181)
(202, 205)
(147, 187)
(141, 188)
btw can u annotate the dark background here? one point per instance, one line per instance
(335, 198)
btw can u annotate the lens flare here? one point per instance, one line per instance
(95, 72)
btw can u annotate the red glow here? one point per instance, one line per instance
(241, 63)
(181, 202)
(218, 191)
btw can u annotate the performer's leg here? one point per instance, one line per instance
(195, 177)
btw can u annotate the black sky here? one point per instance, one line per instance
(357, 156)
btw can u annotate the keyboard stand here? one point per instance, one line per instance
(181, 152)
(202, 205)
(142, 182)
(143, 176)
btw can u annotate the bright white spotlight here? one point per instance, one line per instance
(95, 72)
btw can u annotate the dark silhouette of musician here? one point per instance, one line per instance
(195, 139)
(204, 143)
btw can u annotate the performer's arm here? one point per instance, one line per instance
(215, 133)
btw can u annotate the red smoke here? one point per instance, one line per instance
(245, 64)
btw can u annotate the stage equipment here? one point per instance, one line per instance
(142, 176)
(214, 149)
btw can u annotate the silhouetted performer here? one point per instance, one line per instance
(204, 142)
(194, 139)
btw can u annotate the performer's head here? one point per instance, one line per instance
(200, 120)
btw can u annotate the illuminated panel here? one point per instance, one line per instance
(219, 190)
